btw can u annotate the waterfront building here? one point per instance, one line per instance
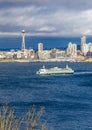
(31, 54)
(9, 55)
(89, 53)
(57, 53)
(2, 55)
(53, 53)
(45, 55)
(18, 54)
(89, 47)
(72, 50)
(60, 53)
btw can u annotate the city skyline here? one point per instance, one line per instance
(71, 53)
(9, 43)
(46, 18)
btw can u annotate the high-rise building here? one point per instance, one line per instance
(72, 49)
(40, 50)
(84, 46)
(23, 40)
(83, 40)
(40, 47)
(90, 47)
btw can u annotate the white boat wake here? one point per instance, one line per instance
(78, 73)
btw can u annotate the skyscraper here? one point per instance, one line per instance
(40, 47)
(84, 46)
(72, 49)
(40, 50)
(83, 40)
(23, 40)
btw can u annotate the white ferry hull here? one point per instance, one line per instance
(55, 71)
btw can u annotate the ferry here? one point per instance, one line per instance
(55, 71)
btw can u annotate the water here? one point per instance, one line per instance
(67, 98)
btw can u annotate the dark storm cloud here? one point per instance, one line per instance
(68, 4)
(46, 17)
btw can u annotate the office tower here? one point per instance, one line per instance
(40, 47)
(72, 49)
(23, 40)
(84, 46)
(40, 50)
(83, 40)
(90, 47)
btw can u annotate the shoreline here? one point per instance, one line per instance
(50, 60)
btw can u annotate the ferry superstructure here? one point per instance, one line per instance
(55, 71)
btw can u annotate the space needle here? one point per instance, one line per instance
(23, 40)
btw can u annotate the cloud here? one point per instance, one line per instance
(47, 18)
(47, 29)
(69, 4)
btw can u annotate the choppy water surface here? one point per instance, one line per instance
(67, 98)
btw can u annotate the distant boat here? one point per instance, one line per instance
(55, 71)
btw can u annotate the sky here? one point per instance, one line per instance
(46, 17)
